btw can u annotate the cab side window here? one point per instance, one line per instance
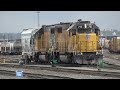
(60, 30)
(52, 30)
(74, 32)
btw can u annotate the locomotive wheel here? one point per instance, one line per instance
(78, 59)
(96, 61)
(69, 59)
(73, 59)
(36, 61)
(89, 62)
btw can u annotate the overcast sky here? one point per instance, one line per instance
(16, 21)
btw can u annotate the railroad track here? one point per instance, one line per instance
(111, 65)
(106, 66)
(32, 75)
(75, 71)
(112, 58)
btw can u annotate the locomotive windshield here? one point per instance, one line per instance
(85, 28)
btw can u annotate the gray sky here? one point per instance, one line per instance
(16, 21)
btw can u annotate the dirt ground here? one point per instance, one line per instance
(9, 58)
(111, 55)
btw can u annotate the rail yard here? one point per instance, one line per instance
(62, 71)
(67, 50)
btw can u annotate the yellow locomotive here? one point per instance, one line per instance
(77, 42)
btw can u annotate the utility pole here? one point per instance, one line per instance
(38, 28)
(5, 42)
(38, 18)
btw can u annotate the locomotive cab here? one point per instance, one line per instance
(87, 47)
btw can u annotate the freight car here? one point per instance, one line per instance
(26, 41)
(106, 43)
(11, 47)
(74, 42)
(114, 45)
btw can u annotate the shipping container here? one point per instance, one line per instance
(106, 44)
(114, 44)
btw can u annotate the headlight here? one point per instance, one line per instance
(96, 52)
(81, 53)
(99, 52)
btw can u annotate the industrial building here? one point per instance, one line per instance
(10, 46)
